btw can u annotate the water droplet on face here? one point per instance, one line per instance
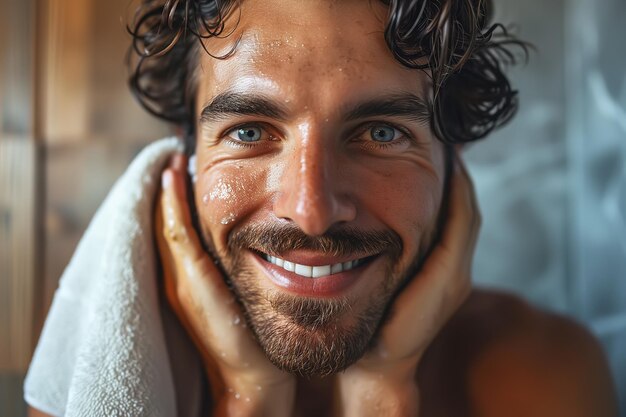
(258, 388)
(228, 219)
(222, 191)
(247, 399)
(237, 395)
(205, 199)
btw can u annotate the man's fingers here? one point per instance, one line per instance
(196, 269)
(463, 219)
(197, 277)
(177, 224)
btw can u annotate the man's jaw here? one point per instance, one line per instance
(304, 327)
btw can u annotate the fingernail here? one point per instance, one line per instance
(167, 178)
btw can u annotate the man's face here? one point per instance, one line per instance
(314, 147)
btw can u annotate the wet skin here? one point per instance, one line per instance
(316, 165)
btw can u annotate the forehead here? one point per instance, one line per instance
(309, 50)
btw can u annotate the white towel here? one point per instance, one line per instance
(104, 347)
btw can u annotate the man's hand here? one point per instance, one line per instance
(383, 381)
(243, 381)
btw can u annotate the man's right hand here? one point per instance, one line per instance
(244, 382)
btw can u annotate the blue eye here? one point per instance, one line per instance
(249, 134)
(383, 133)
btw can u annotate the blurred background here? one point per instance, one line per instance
(552, 184)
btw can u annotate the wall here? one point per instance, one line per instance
(552, 185)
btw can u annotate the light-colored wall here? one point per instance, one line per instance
(552, 185)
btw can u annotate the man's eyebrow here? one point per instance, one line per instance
(231, 103)
(408, 106)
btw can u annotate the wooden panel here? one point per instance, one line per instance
(11, 403)
(16, 69)
(115, 114)
(65, 70)
(83, 76)
(18, 245)
(17, 252)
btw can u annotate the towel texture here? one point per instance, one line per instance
(109, 347)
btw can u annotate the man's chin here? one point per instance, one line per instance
(313, 347)
(309, 337)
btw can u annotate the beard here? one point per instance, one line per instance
(313, 337)
(304, 336)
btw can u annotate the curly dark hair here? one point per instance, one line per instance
(451, 40)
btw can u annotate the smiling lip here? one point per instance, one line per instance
(328, 278)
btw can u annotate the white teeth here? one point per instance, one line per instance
(303, 270)
(313, 271)
(320, 271)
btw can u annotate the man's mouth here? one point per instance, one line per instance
(314, 274)
(314, 271)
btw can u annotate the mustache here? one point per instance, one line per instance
(276, 239)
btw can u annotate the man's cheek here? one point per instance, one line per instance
(224, 195)
(412, 210)
(411, 202)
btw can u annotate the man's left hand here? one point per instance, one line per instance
(383, 381)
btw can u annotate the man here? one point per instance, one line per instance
(330, 199)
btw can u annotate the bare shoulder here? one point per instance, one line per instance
(507, 358)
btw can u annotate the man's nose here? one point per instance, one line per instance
(312, 194)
